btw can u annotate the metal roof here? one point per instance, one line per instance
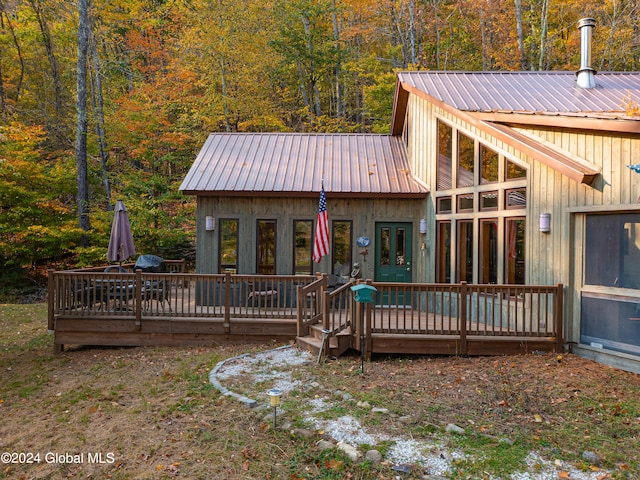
(540, 93)
(295, 164)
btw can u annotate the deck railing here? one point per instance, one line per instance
(318, 304)
(459, 310)
(93, 294)
(463, 309)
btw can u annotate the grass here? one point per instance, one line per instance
(155, 411)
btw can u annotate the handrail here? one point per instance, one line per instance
(309, 310)
(338, 318)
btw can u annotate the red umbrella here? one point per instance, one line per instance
(121, 240)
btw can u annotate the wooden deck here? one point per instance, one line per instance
(129, 309)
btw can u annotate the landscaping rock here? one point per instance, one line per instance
(325, 445)
(302, 432)
(380, 410)
(374, 456)
(592, 457)
(451, 428)
(349, 450)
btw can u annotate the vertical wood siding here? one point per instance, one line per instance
(364, 213)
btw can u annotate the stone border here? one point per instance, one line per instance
(213, 378)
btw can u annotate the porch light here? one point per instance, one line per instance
(209, 223)
(423, 225)
(545, 222)
(274, 401)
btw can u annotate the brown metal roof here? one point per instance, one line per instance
(282, 164)
(496, 101)
(536, 93)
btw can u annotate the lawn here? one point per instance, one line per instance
(137, 413)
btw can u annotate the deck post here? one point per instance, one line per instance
(227, 303)
(51, 299)
(463, 318)
(358, 324)
(368, 339)
(558, 311)
(326, 310)
(300, 299)
(138, 290)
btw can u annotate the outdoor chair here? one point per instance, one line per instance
(156, 290)
(262, 294)
(115, 269)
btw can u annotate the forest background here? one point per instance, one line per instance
(160, 75)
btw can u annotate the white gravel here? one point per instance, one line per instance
(275, 365)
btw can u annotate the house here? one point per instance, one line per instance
(487, 177)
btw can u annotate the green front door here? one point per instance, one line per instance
(393, 256)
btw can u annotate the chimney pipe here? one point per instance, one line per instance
(586, 74)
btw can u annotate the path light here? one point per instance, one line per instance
(274, 401)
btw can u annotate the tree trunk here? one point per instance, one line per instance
(18, 87)
(98, 108)
(223, 72)
(544, 26)
(412, 33)
(53, 63)
(520, 33)
(81, 112)
(338, 65)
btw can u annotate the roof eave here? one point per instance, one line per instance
(585, 122)
(330, 195)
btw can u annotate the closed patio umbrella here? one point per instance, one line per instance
(121, 240)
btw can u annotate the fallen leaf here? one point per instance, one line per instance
(563, 474)
(334, 464)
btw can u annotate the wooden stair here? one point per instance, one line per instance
(335, 345)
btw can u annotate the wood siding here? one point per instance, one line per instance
(556, 257)
(364, 213)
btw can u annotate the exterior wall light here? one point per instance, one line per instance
(423, 225)
(209, 223)
(545, 222)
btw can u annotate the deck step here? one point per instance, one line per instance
(337, 344)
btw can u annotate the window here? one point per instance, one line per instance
(266, 256)
(516, 198)
(489, 201)
(489, 162)
(466, 161)
(385, 246)
(401, 246)
(480, 226)
(514, 246)
(489, 251)
(445, 141)
(610, 318)
(444, 205)
(303, 248)
(443, 273)
(515, 172)
(228, 250)
(465, 251)
(342, 247)
(465, 203)
(612, 250)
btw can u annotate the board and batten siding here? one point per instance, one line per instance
(363, 213)
(549, 256)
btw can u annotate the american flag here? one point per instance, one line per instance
(321, 246)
